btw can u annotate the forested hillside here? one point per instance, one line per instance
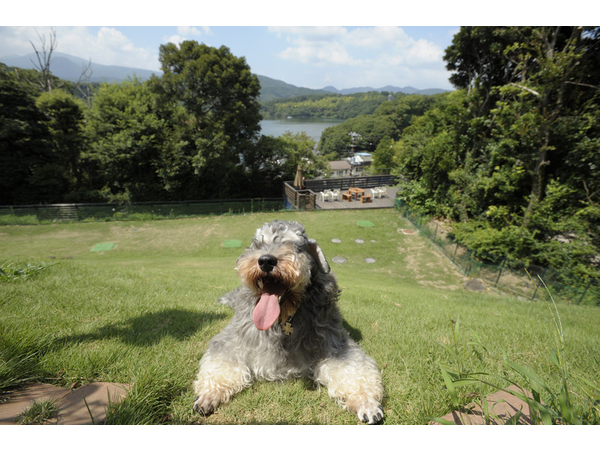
(513, 156)
(271, 89)
(325, 105)
(191, 134)
(386, 123)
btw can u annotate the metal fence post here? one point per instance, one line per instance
(584, 292)
(500, 273)
(469, 269)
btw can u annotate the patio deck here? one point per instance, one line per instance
(375, 203)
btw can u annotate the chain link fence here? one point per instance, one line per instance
(105, 212)
(514, 277)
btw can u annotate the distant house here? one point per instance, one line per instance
(350, 167)
(360, 163)
(341, 168)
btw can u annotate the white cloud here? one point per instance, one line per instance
(378, 37)
(318, 53)
(107, 46)
(175, 39)
(373, 55)
(318, 44)
(187, 33)
(311, 33)
(194, 31)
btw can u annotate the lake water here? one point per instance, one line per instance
(313, 127)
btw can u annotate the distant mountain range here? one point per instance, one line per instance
(394, 89)
(271, 89)
(69, 68)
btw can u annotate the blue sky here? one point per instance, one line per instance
(302, 43)
(305, 56)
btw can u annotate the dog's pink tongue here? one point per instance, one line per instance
(267, 309)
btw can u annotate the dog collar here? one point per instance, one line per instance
(287, 326)
(288, 309)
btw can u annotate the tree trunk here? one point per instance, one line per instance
(537, 185)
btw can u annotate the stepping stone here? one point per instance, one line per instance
(365, 223)
(475, 285)
(338, 260)
(502, 404)
(336, 241)
(369, 260)
(232, 243)
(359, 241)
(408, 232)
(72, 409)
(22, 399)
(103, 247)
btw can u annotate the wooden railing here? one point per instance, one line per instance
(305, 199)
(346, 183)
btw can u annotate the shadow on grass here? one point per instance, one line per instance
(355, 333)
(149, 329)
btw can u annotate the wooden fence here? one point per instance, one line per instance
(303, 200)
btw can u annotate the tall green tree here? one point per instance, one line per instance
(478, 64)
(221, 96)
(542, 96)
(298, 149)
(65, 121)
(133, 148)
(383, 158)
(518, 163)
(30, 172)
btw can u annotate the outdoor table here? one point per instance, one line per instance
(356, 192)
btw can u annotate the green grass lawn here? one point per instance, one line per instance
(143, 312)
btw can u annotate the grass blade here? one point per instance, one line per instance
(450, 386)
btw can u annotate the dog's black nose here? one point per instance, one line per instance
(267, 262)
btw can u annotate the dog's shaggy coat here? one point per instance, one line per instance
(287, 324)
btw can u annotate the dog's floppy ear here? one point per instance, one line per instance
(319, 257)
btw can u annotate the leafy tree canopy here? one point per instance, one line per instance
(515, 154)
(220, 95)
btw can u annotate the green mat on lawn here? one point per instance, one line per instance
(365, 224)
(104, 247)
(232, 243)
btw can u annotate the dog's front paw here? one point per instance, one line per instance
(371, 413)
(205, 405)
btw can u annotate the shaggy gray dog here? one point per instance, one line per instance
(287, 324)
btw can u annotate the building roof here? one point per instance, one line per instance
(340, 165)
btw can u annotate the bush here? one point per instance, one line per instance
(12, 219)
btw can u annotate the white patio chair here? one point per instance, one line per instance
(325, 196)
(336, 194)
(374, 192)
(382, 191)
